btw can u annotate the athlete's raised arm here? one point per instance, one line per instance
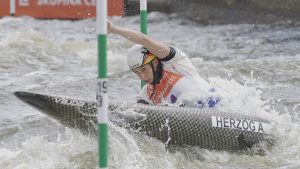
(159, 49)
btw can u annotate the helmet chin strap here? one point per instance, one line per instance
(157, 75)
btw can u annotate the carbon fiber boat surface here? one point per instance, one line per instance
(209, 129)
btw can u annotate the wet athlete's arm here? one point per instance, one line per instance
(159, 49)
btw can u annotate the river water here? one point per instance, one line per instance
(256, 69)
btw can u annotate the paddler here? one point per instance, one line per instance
(168, 72)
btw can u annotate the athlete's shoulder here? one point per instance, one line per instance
(170, 56)
(179, 52)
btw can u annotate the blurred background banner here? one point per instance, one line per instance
(4, 7)
(203, 11)
(60, 9)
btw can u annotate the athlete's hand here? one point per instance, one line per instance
(110, 26)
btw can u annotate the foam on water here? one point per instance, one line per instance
(39, 152)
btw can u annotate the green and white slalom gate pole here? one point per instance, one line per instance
(143, 16)
(143, 22)
(12, 7)
(102, 95)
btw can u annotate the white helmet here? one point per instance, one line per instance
(138, 56)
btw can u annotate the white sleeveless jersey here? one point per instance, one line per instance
(180, 64)
(179, 77)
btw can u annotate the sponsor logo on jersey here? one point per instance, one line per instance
(164, 87)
